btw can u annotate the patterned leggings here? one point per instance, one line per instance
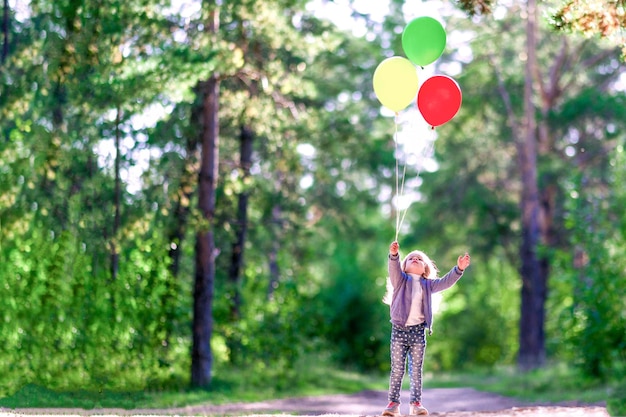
(411, 341)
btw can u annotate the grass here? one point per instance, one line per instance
(554, 384)
(557, 383)
(228, 386)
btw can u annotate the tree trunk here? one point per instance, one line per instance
(533, 270)
(201, 355)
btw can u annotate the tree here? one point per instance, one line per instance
(604, 18)
(533, 269)
(201, 357)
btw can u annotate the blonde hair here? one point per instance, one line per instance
(430, 272)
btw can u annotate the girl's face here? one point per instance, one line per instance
(415, 264)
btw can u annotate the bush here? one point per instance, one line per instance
(616, 405)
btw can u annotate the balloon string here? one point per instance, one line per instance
(395, 155)
(400, 193)
(399, 188)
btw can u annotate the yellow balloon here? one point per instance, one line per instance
(395, 83)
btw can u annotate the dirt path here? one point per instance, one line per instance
(448, 402)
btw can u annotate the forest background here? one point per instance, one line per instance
(193, 189)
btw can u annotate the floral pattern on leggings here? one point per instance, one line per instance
(409, 341)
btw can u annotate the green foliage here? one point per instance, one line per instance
(355, 319)
(75, 317)
(35, 396)
(616, 403)
(477, 323)
(594, 308)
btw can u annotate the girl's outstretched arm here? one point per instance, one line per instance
(453, 276)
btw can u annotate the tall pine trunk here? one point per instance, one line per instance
(201, 355)
(533, 272)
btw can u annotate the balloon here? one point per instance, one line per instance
(395, 83)
(439, 99)
(423, 40)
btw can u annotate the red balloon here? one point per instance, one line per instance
(439, 99)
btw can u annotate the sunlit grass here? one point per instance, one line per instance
(229, 385)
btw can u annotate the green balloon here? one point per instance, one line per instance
(423, 40)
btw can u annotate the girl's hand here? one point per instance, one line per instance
(393, 248)
(463, 261)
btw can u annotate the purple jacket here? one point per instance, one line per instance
(403, 289)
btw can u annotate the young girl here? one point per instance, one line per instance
(412, 283)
